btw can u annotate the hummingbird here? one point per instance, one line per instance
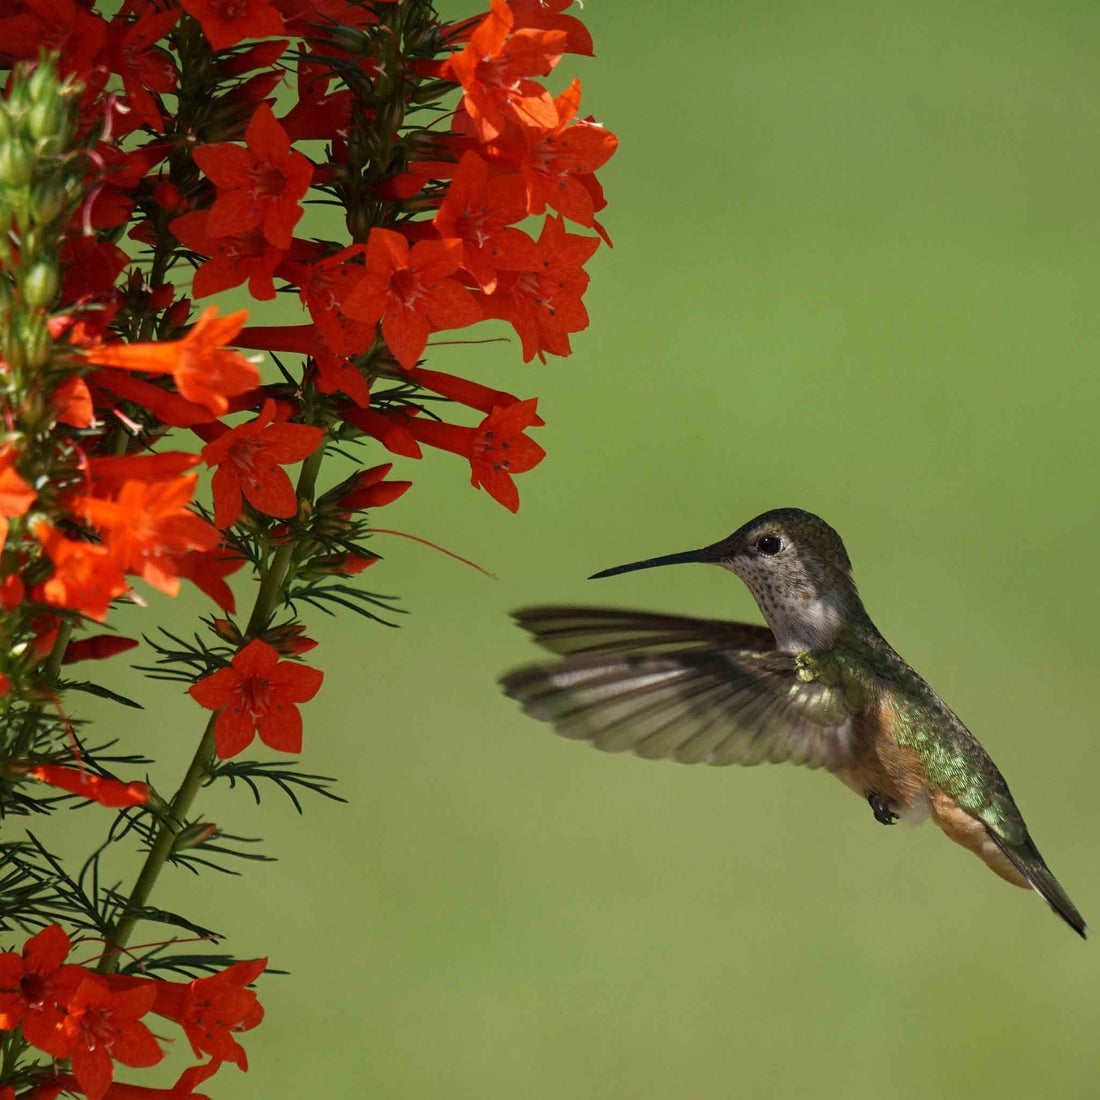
(818, 686)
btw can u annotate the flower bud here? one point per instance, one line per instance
(41, 285)
(191, 836)
(16, 163)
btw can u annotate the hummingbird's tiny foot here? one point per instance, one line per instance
(881, 807)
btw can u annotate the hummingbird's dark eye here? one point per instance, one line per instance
(769, 544)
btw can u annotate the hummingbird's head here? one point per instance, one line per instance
(797, 569)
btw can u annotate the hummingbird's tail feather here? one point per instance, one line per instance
(1027, 860)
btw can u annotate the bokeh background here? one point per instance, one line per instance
(855, 271)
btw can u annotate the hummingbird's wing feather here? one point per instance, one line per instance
(717, 707)
(568, 630)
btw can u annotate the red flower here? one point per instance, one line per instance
(556, 161)
(31, 985)
(144, 66)
(410, 292)
(147, 523)
(248, 460)
(496, 449)
(479, 210)
(85, 577)
(16, 496)
(232, 259)
(324, 286)
(102, 1027)
(205, 372)
(210, 1009)
(227, 22)
(107, 792)
(493, 68)
(544, 306)
(259, 185)
(257, 692)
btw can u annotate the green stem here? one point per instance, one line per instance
(161, 849)
(267, 598)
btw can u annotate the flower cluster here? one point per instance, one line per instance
(94, 1021)
(143, 147)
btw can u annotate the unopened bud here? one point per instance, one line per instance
(191, 836)
(16, 163)
(41, 285)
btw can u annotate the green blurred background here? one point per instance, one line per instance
(855, 271)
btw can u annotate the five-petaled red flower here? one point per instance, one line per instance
(260, 185)
(545, 305)
(257, 692)
(147, 523)
(493, 71)
(496, 449)
(210, 1009)
(231, 260)
(480, 210)
(227, 22)
(248, 458)
(411, 292)
(102, 1027)
(32, 983)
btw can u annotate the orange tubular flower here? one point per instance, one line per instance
(205, 372)
(107, 792)
(147, 523)
(85, 577)
(16, 496)
(480, 211)
(410, 292)
(232, 259)
(210, 1009)
(493, 71)
(248, 460)
(544, 306)
(257, 186)
(102, 1027)
(496, 449)
(257, 692)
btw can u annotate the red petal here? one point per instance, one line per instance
(257, 659)
(226, 486)
(298, 683)
(46, 951)
(233, 732)
(281, 727)
(406, 333)
(225, 165)
(286, 443)
(217, 690)
(271, 492)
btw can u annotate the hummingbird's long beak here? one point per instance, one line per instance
(705, 554)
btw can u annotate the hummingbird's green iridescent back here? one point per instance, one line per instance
(819, 686)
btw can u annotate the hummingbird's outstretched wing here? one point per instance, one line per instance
(569, 630)
(702, 702)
